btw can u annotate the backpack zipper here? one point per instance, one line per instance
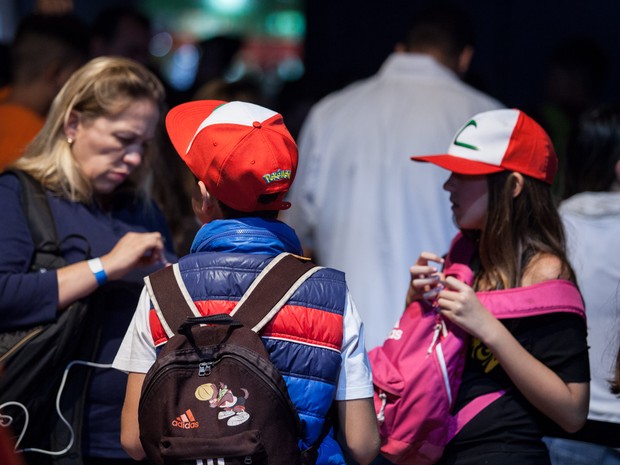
(440, 328)
(204, 368)
(435, 346)
(164, 370)
(18, 345)
(381, 414)
(444, 371)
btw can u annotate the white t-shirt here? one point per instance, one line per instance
(137, 351)
(592, 225)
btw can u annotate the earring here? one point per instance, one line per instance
(69, 141)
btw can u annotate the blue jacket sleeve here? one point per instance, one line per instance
(26, 299)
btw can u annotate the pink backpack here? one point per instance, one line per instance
(417, 371)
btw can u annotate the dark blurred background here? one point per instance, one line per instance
(296, 50)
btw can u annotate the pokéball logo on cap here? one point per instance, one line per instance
(500, 140)
(241, 151)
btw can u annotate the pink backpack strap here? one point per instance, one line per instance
(470, 410)
(462, 250)
(458, 258)
(551, 296)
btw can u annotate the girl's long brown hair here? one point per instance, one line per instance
(518, 229)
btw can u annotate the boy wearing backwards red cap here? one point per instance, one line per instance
(245, 161)
(503, 164)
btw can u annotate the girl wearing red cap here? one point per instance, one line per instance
(502, 167)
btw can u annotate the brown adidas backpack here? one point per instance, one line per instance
(213, 396)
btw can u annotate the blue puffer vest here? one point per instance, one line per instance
(303, 340)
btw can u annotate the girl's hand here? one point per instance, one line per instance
(564, 403)
(459, 303)
(425, 279)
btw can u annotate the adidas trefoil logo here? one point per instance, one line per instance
(185, 421)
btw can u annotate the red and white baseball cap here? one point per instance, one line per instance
(499, 140)
(239, 150)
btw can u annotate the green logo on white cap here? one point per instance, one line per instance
(464, 144)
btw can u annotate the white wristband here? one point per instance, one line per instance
(96, 267)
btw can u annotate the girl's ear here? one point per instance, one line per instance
(517, 184)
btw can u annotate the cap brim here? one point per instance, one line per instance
(183, 120)
(459, 165)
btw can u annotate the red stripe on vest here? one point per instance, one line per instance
(293, 322)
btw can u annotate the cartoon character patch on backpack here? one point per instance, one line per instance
(223, 398)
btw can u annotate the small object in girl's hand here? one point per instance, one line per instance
(432, 294)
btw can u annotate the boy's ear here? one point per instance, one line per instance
(205, 195)
(204, 204)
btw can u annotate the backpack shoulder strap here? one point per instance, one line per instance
(470, 410)
(271, 290)
(264, 298)
(457, 260)
(170, 298)
(557, 295)
(40, 222)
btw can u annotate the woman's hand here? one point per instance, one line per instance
(134, 250)
(425, 279)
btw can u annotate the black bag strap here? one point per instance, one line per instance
(271, 289)
(47, 254)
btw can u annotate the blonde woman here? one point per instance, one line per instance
(91, 157)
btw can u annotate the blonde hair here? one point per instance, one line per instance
(104, 86)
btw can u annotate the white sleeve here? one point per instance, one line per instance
(355, 379)
(137, 351)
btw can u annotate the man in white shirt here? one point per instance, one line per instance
(358, 203)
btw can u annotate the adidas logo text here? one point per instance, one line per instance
(185, 421)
